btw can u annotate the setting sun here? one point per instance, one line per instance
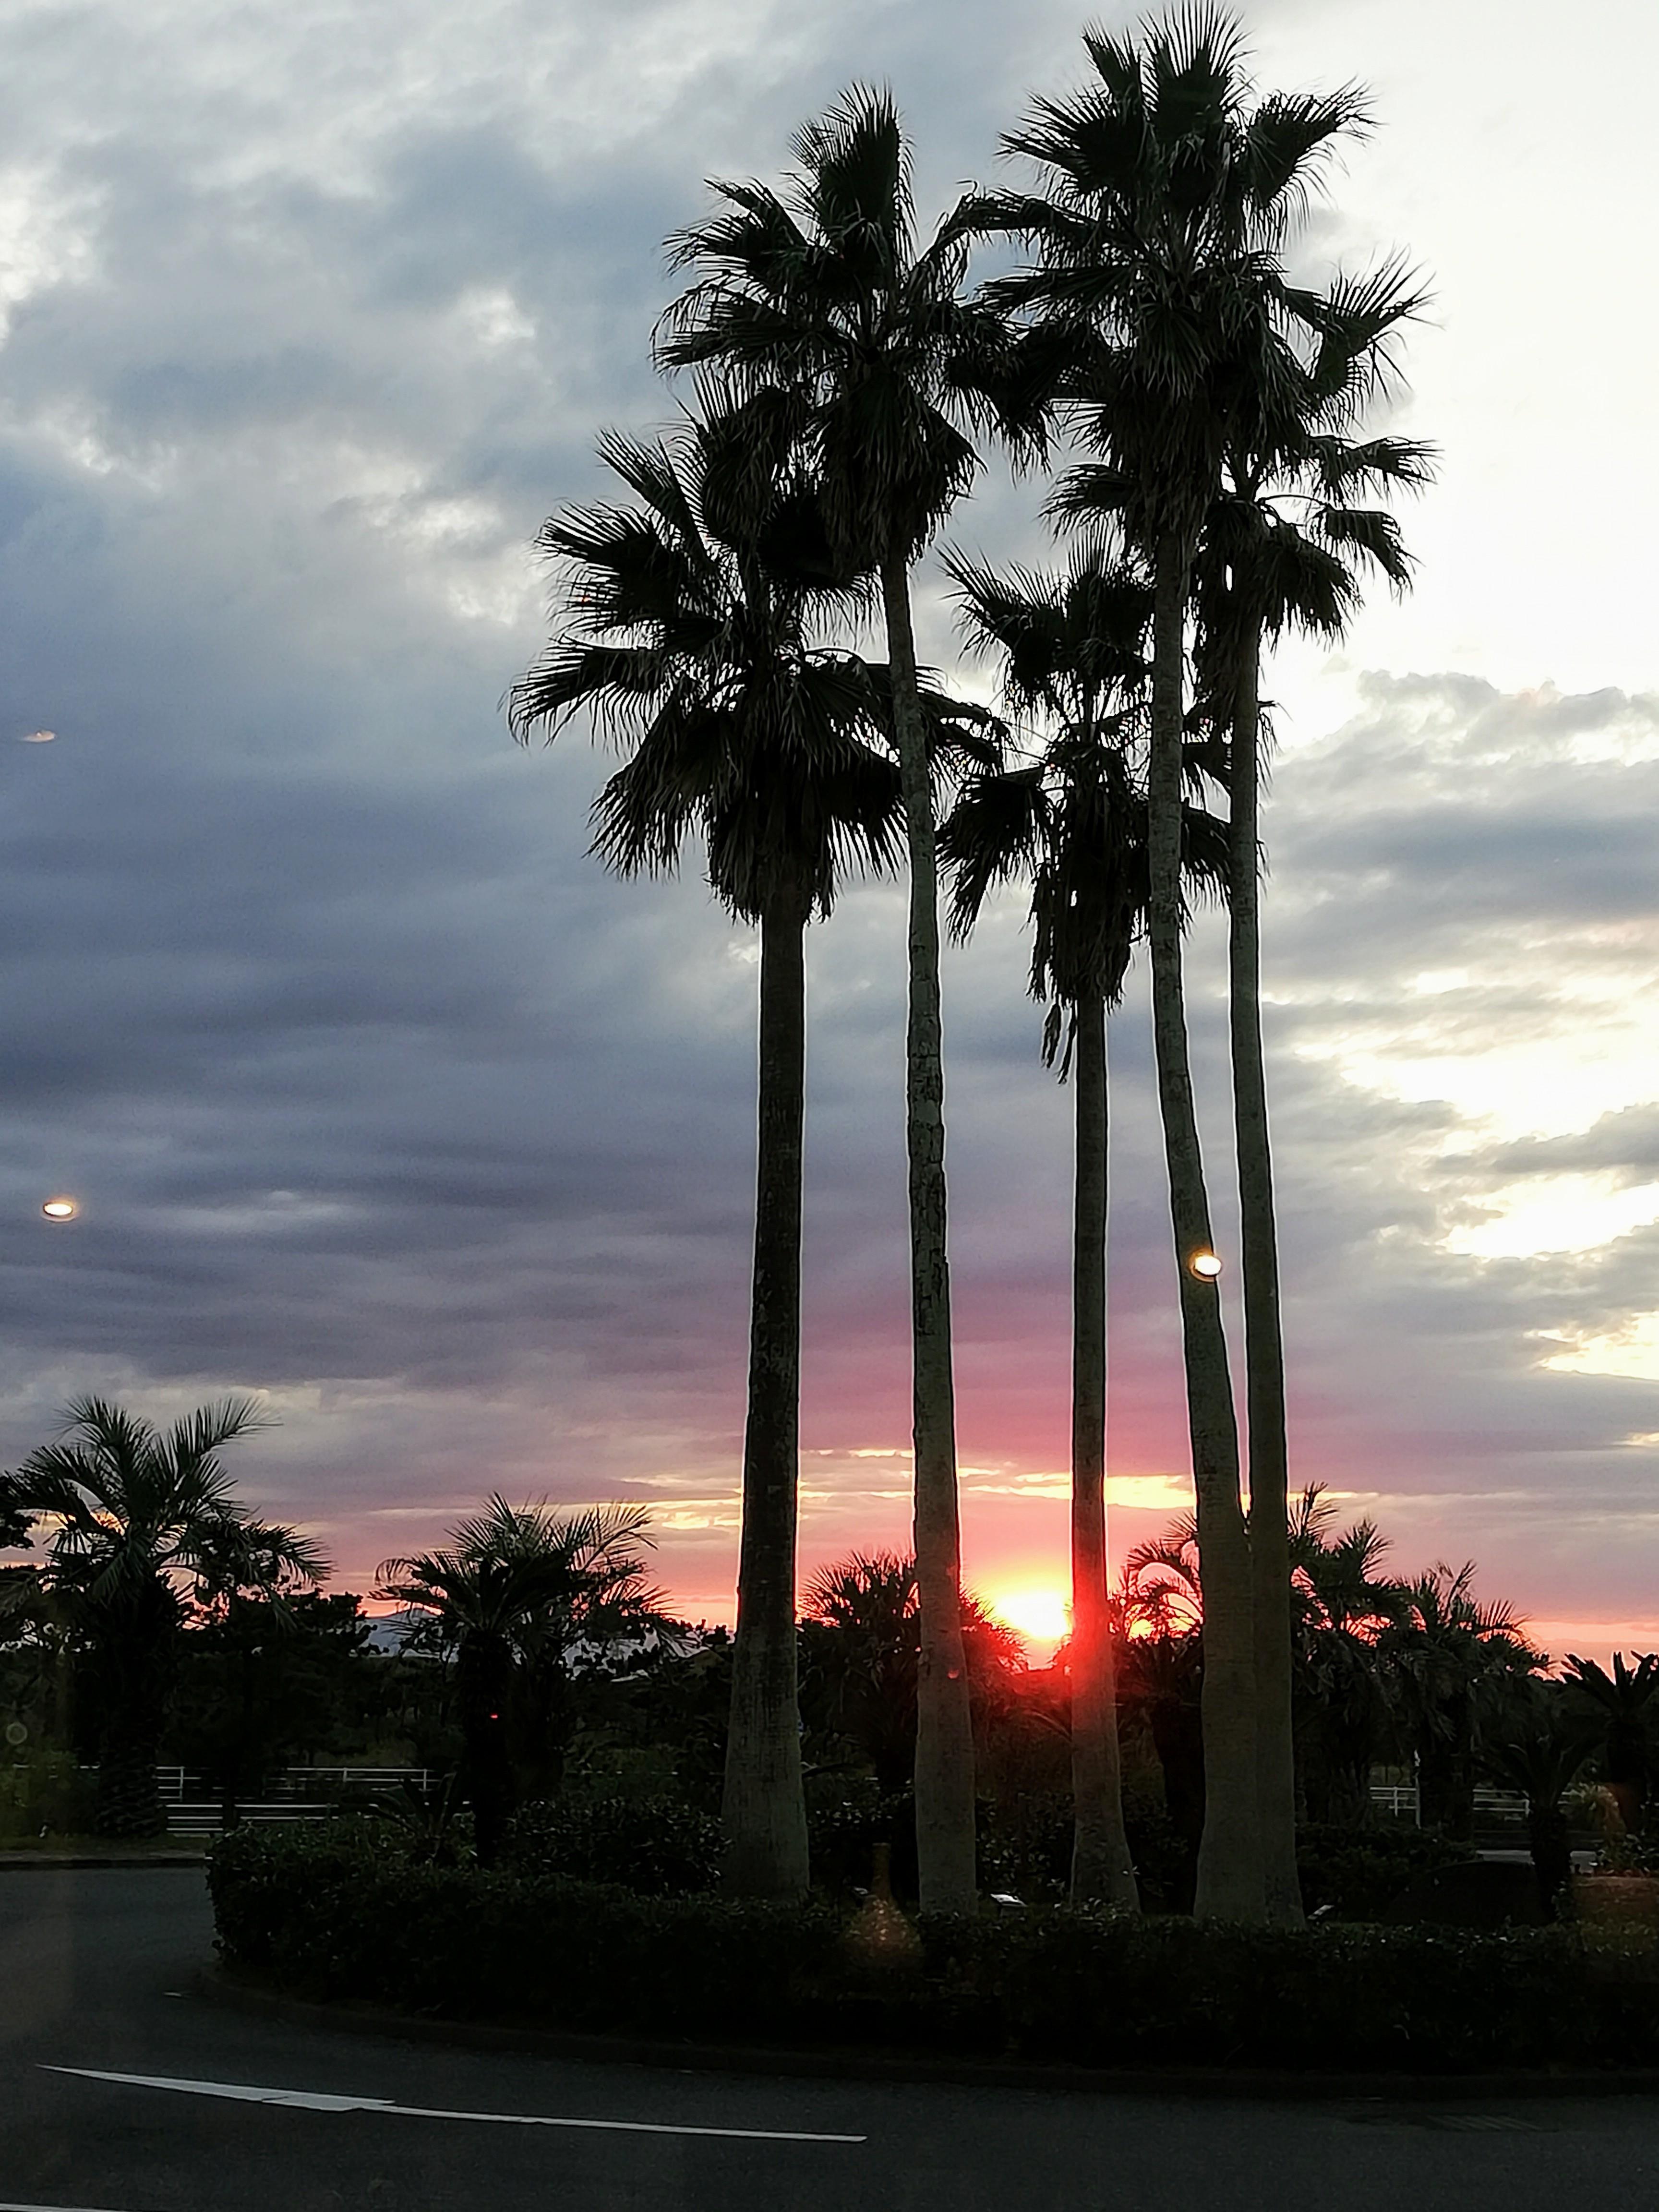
(1043, 1615)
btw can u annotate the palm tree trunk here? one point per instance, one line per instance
(134, 1676)
(1102, 1869)
(1264, 1343)
(484, 1684)
(764, 1812)
(129, 1803)
(945, 1738)
(1229, 1860)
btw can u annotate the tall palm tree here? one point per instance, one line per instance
(1282, 548)
(509, 1597)
(1074, 820)
(1157, 279)
(816, 302)
(694, 639)
(140, 1521)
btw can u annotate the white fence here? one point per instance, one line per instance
(299, 1793)
(1400, 1801)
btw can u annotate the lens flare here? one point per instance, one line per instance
(60, 1209)
(1207, 1265)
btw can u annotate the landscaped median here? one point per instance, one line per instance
(347, 1912)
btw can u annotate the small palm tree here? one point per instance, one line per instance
(515, 1593)
(1074, 822)
(862, 1634)
(1623, 1704)
(697, 610)
(1532, 1740)
(138, 1521)
(817, 304)
(1445, 1653)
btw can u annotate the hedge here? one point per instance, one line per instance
(344, 1912)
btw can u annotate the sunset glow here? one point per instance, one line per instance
(1043, 1616)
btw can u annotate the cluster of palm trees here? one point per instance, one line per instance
(143, 1538)
(1199, 414)
(1411, 1673)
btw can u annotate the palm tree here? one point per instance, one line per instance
(1622, 1703)
(1532, 1740)
(141, 1522)
(1262, 571)
(1444, 1656)
(862, 1633)
(695, 614)
(511, 1597)
(1075, 822)
(1157, 281)
(817, 304)
(1340, 1602)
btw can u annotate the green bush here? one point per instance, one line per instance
(655, 1846)
(1357, 1873)
(44, 1793)
(342, 1913)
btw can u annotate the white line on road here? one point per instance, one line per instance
(48, 2208)
(317, 2101)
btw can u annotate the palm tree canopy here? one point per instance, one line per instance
(1073, 653)
(818, 296)
(139, 1515)
(534, 1579)
(1156, 271)
(696, 613)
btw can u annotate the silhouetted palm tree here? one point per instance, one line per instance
(817, 304)
(1626, 1707)
(1532, 1740)
(1443, 1655)
(1074, 820)
(697, 641)
(142, 1521)
(861, 1632)
(1282, 548)
(1157, 279)
(513, 1596)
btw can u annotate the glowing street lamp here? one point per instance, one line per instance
(1204, 1264)
(60, 1209)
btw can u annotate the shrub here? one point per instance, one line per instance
(655, 1846)
(1357, 1873)
(341, 1912)
(44, 1793)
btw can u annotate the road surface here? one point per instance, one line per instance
(118, 2093)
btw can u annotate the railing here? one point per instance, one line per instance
(1400, 1801)
(299, 1793)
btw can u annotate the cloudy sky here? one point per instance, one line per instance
(379, 1097)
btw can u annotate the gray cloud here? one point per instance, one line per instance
(379, 1096)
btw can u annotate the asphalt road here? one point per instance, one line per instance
(89, 1962)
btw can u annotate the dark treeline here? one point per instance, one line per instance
(557, 1707)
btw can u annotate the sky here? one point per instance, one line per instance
(381, 1099)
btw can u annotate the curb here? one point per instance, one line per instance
(45, 1862)
(218, 1986)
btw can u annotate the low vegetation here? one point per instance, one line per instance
(347, 1912)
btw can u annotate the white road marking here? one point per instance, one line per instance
(317, 2101)
(47, 2208)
